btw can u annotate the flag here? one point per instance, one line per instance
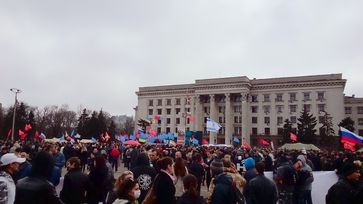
(204, 141)
(191, 118)
(77, 136)
(22, 135)
(293, 137)
(246, 145)
(263, 142)
(36, 136)
(62, 138)
(212, 126)
(66, 134)
(9, 133)
(42, 136)
(27, 127)
(107, 137)
(73, 133)
(93, 140)
(272, 145)
(348, 136)
(236, 140)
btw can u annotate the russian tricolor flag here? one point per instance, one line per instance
(350, 136)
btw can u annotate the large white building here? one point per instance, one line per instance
(245, 107)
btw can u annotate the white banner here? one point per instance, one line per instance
(323, 180)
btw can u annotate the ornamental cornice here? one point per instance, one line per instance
(298, 85)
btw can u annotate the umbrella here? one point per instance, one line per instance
(299, 146)
(86, 141)
(132, 142)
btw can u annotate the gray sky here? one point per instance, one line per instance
(97, 53)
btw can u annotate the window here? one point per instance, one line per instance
(177, 120)
(177, 101)
(168, 102)
(237, 99)
(267, 131)
(237, 109)
(321, 96)
(160, 102)
(306, 96)
(307, 107)
(348, 110)
(293, 119)
(168, 129)
(188, 110)
(221, 131)
(168, 121)
(292, 97)
(266, 109)
(279, 108)
(159, 122)
(278, 98)
(321, 108)
(254, 109)
(279, 120)
(221, 120)
(206, 110)
(168, 111)
(360, 132)
(360, 121)
(293, 108)
(188, 120)
(237, 119)
(159, 130)
(254, 120)
(266, 98)
(254, 98)
(237, 130)
(177, 110)
(360, 109)
(151, 102)
(267, 120)
(254, 131)
(150, 111)
(159, 111)
(280, 131)
(221, 109)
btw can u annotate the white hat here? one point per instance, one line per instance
(10, 158)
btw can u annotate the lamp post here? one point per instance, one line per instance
(16, 91)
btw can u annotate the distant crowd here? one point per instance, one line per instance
(166, 174)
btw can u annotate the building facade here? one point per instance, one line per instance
(246, 108)
(354, 109)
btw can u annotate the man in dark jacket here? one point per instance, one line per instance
(144, 174)
(223, 190)
(35, 189)
(346, 189)
(75, 183)
(261, 189)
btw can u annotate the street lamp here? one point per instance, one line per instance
(16, 91)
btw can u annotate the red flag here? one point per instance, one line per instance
(263, 142)
(293, 137)
(348, 145)
(191, 118)
(36, 134)
(107, 137)
(9, 133)
(22, 135)
(246, 145)
(27, 127)
(204, 141)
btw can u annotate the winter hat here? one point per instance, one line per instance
(216, 167)
(349, 168)
(10, 158)
(249, 163)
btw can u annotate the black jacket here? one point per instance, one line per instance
(99, 186)
(342, 192)
(144, 174)
(186, 199)
(33, 190)
(223, 190)
(164, 189)
(74, 187)
(261, 190)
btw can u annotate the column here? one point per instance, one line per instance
(163, 115)
(192, 113)
(213, 116)
(183, 114)
(245, 119)
(198, 115)
(173, 116)
(228, 123)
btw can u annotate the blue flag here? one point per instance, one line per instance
(236, 140)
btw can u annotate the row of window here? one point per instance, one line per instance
(292, 97)
(348, 110)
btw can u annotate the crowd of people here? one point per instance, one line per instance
(29, 172)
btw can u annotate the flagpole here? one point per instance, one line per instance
(16, 91)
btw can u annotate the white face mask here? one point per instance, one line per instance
(137, 194)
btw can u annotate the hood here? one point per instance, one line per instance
(249, 163)
(224, 179)
(302, 159)
(142, 160)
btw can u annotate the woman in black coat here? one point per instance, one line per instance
(164, 182)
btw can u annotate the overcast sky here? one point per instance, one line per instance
(98, 53)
